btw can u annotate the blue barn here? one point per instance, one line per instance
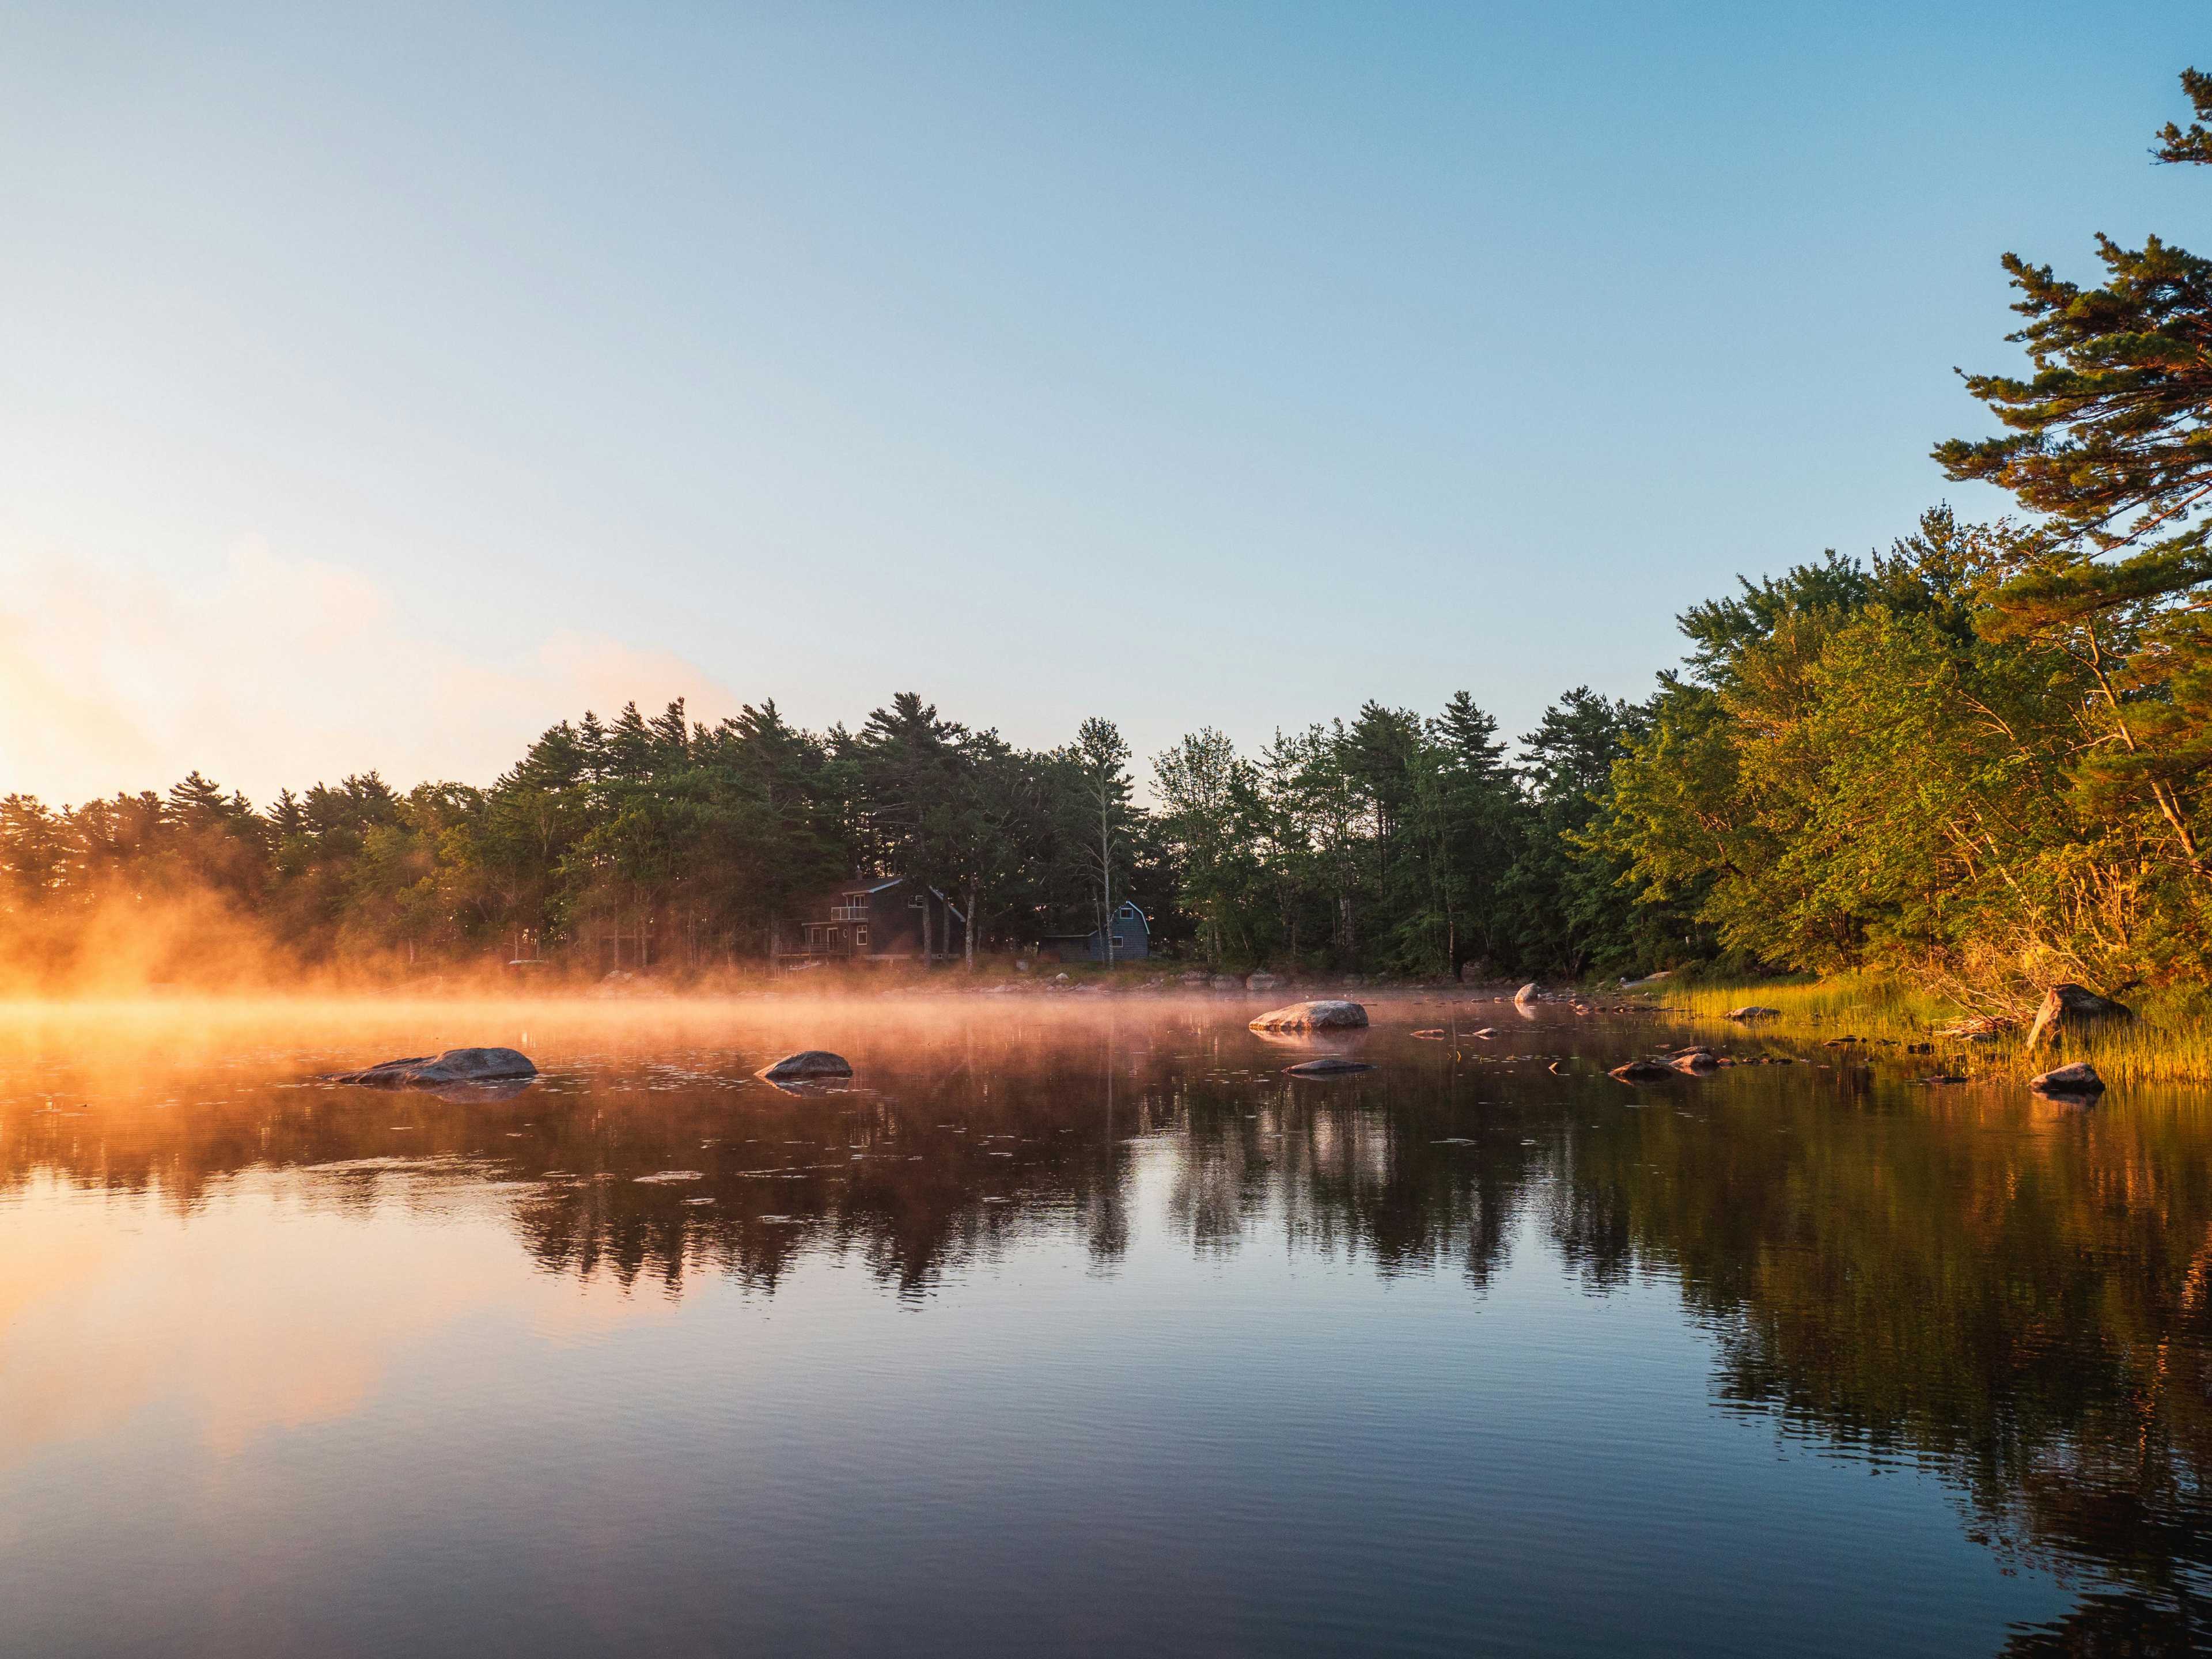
(1133, 940)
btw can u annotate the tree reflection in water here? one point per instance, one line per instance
(2012, 1296)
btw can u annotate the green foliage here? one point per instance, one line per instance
(2111, 440)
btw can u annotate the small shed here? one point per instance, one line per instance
(1133, 940)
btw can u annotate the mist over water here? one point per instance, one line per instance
(1073, 1325)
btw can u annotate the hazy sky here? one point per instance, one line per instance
(379, 386)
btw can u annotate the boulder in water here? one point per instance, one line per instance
(1529, 993)
(455, 1065)
(1328, 1066)
(2079, 1081)
(1751, 1010)
(1642, 1071)
(1313, 1017)
(807, 1065)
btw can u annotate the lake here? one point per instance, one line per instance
(1073, 1326)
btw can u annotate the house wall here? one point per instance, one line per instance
(895, 924)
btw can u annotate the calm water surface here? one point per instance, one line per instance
(1081, 1330)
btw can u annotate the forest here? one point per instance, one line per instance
(1394, 843)
(1975, 761)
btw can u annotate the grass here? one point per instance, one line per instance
(2151, 1050)
(2170, 1042)
(1857, 1005)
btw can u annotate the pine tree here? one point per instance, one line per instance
(2111, 442)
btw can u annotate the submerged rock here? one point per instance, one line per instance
(807, 1065)
(455, 1065)
(2079, 1081)
(1695, 1059)
(1328, 1066)
(1642, 1071)
(2070, 1010)
(489, 1092)
(1751, 1010)
(1313, 1017)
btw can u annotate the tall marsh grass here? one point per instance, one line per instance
(1855, 1005)
(2170, 1042)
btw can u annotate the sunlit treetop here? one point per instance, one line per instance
(2110, 437)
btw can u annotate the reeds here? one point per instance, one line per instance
(2171, 1042)
(1853, 1004)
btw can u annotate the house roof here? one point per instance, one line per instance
(873, 887)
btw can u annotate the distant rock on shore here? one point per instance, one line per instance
(2071, 1010)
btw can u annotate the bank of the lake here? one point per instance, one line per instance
(2169, 1041)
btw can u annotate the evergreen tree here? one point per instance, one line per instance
(2111, 442)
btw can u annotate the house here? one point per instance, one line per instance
(1132, 940)
(873, 920)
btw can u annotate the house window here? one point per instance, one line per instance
(860, 938)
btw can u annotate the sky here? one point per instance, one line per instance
(380, 385)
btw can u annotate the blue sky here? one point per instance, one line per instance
(376, 389)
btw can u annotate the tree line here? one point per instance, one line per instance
(1391, 843)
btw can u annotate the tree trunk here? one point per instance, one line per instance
(929, 930)
(2168, 806)
(1106, 877)
(967, 933)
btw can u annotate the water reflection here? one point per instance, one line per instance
(1969, 1281)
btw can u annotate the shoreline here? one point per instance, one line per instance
(2160, 1046)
